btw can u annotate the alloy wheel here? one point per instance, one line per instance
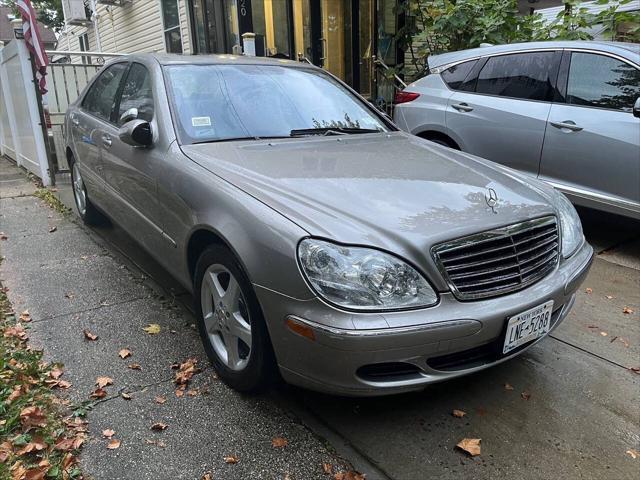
(226, 317)
(79, 191)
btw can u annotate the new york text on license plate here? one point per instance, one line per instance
(527, 326)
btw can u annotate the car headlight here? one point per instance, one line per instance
(363, 278)
(570, 224)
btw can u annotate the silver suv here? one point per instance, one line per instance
(566, 112)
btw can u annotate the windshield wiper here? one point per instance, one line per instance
(234, 139)
(331, 131)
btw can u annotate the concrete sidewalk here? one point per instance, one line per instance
(70, 283)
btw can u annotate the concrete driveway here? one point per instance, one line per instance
(572, 412)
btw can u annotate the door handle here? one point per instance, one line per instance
(568, 124)
(106, 140)
(462, 107)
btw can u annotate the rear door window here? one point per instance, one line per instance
(602, 81)
(455, 76)
(100, 100)
(528, 76)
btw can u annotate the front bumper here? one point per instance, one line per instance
(367, 354)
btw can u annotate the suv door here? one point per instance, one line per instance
(592, 144)
(129, 171)
(85, 126)
(503, 116)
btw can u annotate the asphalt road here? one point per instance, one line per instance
(573, 411)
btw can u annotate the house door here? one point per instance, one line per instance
(337, 35)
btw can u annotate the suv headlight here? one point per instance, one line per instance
(570, 224)
(362, 278)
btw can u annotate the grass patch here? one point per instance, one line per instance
(48, 197)
(37, 440)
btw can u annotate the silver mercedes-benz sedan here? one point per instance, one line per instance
(321, 243)
(565, 111)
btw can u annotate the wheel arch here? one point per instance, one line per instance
(439, 135)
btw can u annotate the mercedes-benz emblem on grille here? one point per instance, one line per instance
(491, 197)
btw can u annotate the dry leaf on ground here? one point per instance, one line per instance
(102, 382)
(525, 395)
(113, 444)
(125, 395)
(25, 316)
(458, 413)
(159, 426)
(327, 468)
(588, 290)
(134, 366)
(604, 334)
(508, 386)
(349, 475)
(232, 459)
(33, 417)
(627, 310)
(108, 433)
(207, 476)
(470, 445)
(98, 393)
(152, 328)
(53, 229)
(633, 453)
(160, 400)
(279, 442)
(89, 336)
(124, 353)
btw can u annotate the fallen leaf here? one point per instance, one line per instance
(159, 426)
(604, 334)
(33, 417)
(627, 310)
(69, 295)
(160, 400)
(232, 459)
(609, 297)
(207, 476)
(633, 453)
(588, 291)
(35, 445)
(16, 331)
(53, 229)
(327, 468)
(349, 475)
(157, 443)
(3, 236)
(124, 353)
(152, 328)
(470, 445)
(15, 393)
(37, 473)
(180, 392)
(186, 370)
(458, 413)
(593, 326)
(108, 433)
(279, 442)
(113, 444)
(508, 386)
(62, 384)
(89, 336)
(25, 316)
(56, 373)
(134, 366)
(525, 395)
(126, 396)
(635, 369)
(98, 393)
(102, 382)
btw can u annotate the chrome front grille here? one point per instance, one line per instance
(501, 260)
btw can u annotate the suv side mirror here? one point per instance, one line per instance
(136, 133)
(636, 108)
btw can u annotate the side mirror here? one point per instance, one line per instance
(636, 108)
(130, 114)
(136, 133)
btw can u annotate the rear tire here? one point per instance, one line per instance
(89, 214)
(230, 321)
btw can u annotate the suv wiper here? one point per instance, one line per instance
(331, 131)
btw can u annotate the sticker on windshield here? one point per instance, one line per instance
(201, 121)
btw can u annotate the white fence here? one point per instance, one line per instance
(21, 133)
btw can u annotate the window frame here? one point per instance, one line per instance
(121, 91)
(166, 29)
(563, 77)
(110, 120)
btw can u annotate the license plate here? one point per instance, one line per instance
(528, 326)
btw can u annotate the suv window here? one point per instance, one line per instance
(454, 76)
(136, 93)
(601, 81)
(101, 98)
(523, 75)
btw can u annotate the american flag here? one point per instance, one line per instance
(34, 41)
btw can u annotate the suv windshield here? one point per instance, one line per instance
(226, 102)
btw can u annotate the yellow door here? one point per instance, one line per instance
(333, 36)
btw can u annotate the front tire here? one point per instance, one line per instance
(89, 214)
(230, 322)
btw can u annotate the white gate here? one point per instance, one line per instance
(21, 132)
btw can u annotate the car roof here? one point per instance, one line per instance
(176, 59)
(630, 51)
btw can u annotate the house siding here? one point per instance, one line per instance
(133, 28)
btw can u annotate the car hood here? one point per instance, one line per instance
(393, 190)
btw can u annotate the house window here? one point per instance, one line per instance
(171, 18)
(84, 47)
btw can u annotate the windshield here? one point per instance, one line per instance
(224, 102)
